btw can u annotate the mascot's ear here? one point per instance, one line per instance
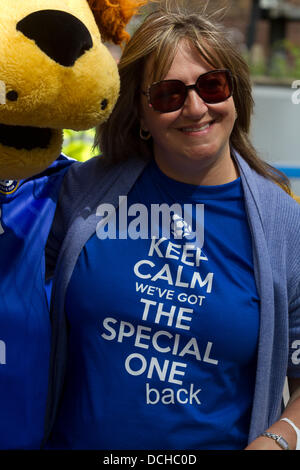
(112, 17)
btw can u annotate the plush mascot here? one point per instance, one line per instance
(55, 73)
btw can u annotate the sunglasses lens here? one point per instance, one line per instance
(215, 87)
(167, 96)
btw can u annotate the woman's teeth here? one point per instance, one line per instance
(198, 129)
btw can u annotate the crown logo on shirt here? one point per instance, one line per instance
(179, 227)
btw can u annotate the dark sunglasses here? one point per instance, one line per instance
(169, 95)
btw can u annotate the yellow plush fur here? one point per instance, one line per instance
(51, 95)
(297, 198)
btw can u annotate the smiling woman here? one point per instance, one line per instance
(191, 143)
(195, 36)
(134, 312)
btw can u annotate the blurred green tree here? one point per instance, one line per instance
(79, 145)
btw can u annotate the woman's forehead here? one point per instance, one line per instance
(158, 66)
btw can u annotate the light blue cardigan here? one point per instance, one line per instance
(274, 220)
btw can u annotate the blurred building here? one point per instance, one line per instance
(265, 27)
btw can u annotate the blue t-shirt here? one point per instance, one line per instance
(27, 208)
(163, 326)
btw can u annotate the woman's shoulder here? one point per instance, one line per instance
(88, 183)
(277, 202)
(82, 174)
(269, 196)
(274, 195)
(280, 214)
(277, 210)
(98, 170)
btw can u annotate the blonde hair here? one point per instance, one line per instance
(158, 36)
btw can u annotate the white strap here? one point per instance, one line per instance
(297, 430)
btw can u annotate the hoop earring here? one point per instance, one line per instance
(145, 135)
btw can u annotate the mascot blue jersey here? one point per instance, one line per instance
(26, 212)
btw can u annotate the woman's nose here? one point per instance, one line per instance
(194, 104)
(60, 35)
